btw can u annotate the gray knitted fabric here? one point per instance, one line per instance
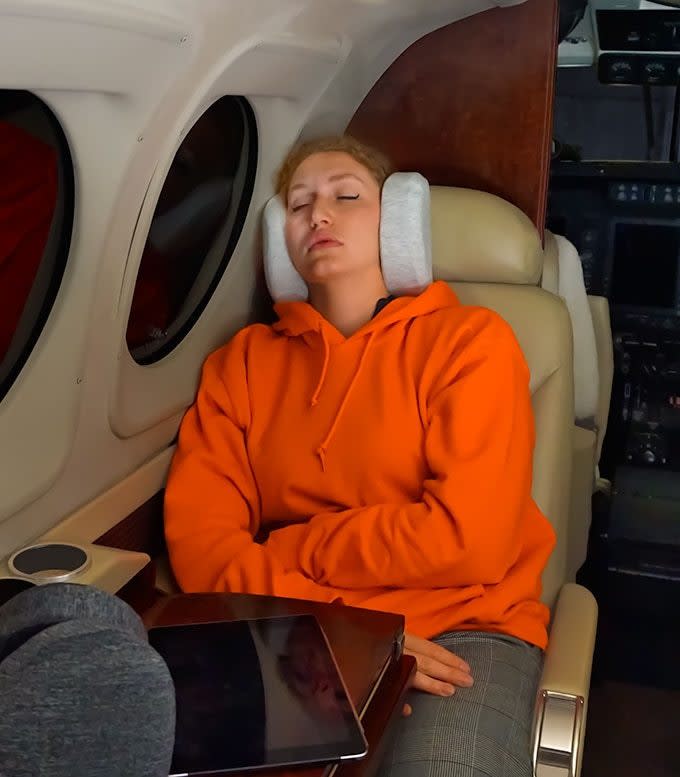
(82, 693)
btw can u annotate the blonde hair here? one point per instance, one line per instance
(373, 160)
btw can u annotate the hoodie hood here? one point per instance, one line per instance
(300, 319)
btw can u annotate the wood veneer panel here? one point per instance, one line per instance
(471, 105)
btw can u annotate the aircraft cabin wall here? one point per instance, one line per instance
(112, 94)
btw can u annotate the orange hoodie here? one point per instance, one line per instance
(390, 469)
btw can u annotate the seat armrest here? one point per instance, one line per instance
(563, 688)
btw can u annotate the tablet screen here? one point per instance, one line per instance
(256, 693)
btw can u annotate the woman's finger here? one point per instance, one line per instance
(432, 650)
(439, 671)
(423, 682)
(407, 710)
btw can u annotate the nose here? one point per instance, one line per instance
(321, 212)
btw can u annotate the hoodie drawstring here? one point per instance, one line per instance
(324, 369)
(321, 450)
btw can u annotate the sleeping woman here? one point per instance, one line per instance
(377, 450)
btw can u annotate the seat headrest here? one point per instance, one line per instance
(405, 241)
(480, 238)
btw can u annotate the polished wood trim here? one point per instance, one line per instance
(140, 592)
(381, 716)
(471, 105)
(142, 530)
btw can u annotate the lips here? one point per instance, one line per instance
(322, 240)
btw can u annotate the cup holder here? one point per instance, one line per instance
(50, 562)
(11, 586)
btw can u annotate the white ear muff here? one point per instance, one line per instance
(283, 281)
(405, 234)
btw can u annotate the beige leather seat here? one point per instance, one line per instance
(491, 254)
(598, 307)
(594, 361)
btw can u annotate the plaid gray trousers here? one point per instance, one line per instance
(482, 731)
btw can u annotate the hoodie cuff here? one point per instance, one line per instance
(285, 545)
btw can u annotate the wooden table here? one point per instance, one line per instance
(360, 640)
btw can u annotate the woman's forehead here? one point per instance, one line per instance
(328, 166)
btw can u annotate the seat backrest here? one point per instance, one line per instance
(491, 254)
(593, 351)
(563, 275)
(593, 376)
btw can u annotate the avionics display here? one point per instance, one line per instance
(645, 265)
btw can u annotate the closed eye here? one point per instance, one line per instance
(296, 208)
(348, 197)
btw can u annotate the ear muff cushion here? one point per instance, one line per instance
(84, 698)
(405, 233)
(283, 280)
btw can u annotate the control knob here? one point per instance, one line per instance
(649, 456)
(655, 72)
(620, 70)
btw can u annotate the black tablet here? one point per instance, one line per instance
(257, 693)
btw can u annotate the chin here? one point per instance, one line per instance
(325, 269)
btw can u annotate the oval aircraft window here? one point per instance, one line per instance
(195, 228)
(36, 217)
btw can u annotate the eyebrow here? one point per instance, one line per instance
(333, 179)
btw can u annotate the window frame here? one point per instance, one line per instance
(238, 217)
(64, 210)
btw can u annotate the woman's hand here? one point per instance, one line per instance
(438, 670)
